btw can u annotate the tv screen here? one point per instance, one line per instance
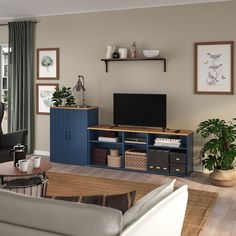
(139, 109)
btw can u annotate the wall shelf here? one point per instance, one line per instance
(134, 59)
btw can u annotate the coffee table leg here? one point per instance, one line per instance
(44, 185)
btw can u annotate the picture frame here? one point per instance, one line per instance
(48, 63)
(44, 97)
(214, 67)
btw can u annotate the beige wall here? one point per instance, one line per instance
(82, 40)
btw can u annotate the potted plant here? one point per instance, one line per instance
(63, 96)
(219, 152)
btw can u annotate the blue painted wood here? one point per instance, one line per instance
(186, 147)
(69, 135)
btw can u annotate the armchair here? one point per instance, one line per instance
(7, 141)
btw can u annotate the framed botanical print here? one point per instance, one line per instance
(48, 63)
(214, 67)
(44, 94)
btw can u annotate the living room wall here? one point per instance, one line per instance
(82, 39)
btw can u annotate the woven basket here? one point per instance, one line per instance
(136, 159)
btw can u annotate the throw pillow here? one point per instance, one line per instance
(147, 202)
(120, 202)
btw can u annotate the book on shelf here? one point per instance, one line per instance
(138, 142)
(166, 142)
(108, 139)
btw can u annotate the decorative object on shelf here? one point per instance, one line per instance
(115, 55)
(214, 67)
(133, 50)
(44, 97)
(110, 50)
(123, 52)
(63, 96)
(151, 53)
(114, 160)
(48, 63)
(80, 86)
(219, 152)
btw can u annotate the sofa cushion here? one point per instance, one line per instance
(147, 202)
(59, 217)
(120, 202)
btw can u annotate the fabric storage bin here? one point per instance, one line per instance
(177, 157)
(158, 161)
(99, 156)
(114, 161)
(177, 170)
(136, 159)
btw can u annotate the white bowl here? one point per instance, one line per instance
(151, 53)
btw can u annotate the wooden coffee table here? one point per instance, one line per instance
(8, 169)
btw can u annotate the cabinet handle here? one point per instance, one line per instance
(69, 135)
(66, 135)
(158, 168)
(177, 170)
(151, 167)
(177, 159)
(164, 168)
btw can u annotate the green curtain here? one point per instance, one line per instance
(21, 79)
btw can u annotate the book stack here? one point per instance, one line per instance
(167, 142)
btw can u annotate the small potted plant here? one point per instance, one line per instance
(63, 96)
(219, 152)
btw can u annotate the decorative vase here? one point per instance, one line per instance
(223, 178)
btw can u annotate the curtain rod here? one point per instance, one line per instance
(16, 21)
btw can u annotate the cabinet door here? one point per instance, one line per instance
(57, 135)
(69, 135)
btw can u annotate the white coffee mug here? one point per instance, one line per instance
(36, 161)
(22, 165)
(123, 52)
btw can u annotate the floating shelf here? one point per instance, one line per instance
(135, 59)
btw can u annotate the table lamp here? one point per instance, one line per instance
(80, 86)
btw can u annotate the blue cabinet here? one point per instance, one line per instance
(69, 135)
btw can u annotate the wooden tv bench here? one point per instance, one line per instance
(168, 159)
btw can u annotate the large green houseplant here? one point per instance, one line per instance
(219, 151)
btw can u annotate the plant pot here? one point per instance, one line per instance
(223, 178)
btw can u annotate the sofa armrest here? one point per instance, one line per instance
(11, 139)
(165, 218)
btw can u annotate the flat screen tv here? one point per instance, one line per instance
(139, 109)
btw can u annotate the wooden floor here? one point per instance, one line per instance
(221, 222)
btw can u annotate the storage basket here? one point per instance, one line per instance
(114, 161)
(136, 159)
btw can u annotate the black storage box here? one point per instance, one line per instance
(158, 161)
(177, 157)
(99, 156)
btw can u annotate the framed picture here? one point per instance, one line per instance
(48, 63)
(44, 97)
(214, 67)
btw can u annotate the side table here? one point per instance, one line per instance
(22, 180)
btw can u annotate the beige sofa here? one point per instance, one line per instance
(161, 212)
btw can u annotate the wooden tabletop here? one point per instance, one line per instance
(9, 169)
(140, 130)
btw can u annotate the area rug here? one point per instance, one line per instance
(200, 203)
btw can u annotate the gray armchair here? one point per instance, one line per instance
(7, 141)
